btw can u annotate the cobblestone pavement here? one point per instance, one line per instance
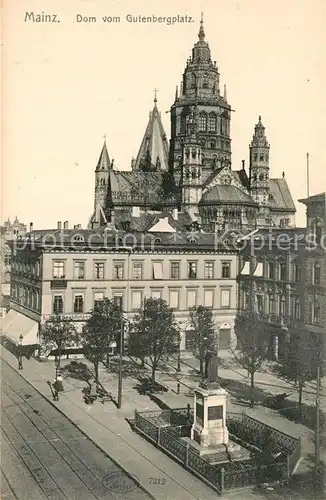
(108, 427)
(45, 456)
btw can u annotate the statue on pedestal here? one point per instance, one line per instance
(211, 368)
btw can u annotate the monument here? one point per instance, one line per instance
(209, 432)
(209, 428)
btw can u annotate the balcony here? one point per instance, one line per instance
(58, 284)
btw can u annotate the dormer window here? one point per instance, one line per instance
(78, 238)
(126, 225)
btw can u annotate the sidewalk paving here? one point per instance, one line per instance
(107, 426)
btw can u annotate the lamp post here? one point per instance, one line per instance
(317, 432)
(121, 346)
(179, 356)
(120, 364)
(20, 358)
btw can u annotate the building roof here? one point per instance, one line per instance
(226, 194)
(153, 153)
(243, 177)
(138, 188)
(121, 241)
(317, 198)
(104, 160)
(281, 195)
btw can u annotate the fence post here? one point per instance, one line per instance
(288, 467)
(186, 457)
(222, 474)
(136, 415)
(158, 435)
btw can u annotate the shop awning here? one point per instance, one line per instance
(15, 324)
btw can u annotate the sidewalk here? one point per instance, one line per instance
(107, 427)
(264, 378)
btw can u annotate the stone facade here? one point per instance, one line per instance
(7, 232)
(283, 276)
(65, 271)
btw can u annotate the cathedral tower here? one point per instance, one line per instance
(259, 165)
(191, 175)
(102, 173)
(201, 88)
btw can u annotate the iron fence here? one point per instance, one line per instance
(228, 475)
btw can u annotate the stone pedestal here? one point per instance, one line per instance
(209, 428)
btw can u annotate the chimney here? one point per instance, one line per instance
(133, 161)
(30, 227)
(59, 225)
(65, 224)
(243, 164)
(135, 211)
(175, 214)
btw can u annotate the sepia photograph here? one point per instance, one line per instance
(163, 250)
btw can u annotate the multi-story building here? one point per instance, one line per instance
(66, 271)
(7, 232)
(283, 276)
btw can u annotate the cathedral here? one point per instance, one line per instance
(191, 175)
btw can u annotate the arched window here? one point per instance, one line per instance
(315, 313)
(316, 274)
(202, 122)
(212, 122)
(296, 308)
(213, 144)
(317, 229)
(282, 305)
(205, 81)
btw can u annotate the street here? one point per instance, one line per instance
(45, 456)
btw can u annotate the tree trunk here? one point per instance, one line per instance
(96, 376)
(108, 360)
(252, 388)
(300, 399)
(201, 365)
(153, 372)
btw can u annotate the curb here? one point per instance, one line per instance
(84, 433)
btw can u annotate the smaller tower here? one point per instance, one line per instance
(191, 167)
(102, 173)
(259, 165)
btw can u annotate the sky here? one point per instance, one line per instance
(67, 84)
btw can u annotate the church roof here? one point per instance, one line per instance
(243, 177)
(137, 188)
(226, 194)
(104, 160)
(280, 198)
(154, 150)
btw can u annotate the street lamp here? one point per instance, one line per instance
(120, 364)
(20, 357)
(179, 357)
(121, 346)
